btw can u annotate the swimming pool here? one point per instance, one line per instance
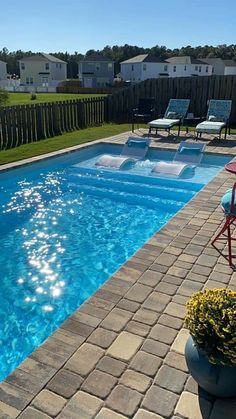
(66, 226)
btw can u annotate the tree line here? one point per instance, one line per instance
(120, 53)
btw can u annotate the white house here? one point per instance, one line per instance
(143, 67)
(3, 70)
(187, 66)
(42, 72)
(222, 67)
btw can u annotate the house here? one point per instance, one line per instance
(3, 70)
(42, 72)
(96, 71)
(142, 67)
(187, 66)
(222, 67)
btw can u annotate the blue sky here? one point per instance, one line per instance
(80, 25)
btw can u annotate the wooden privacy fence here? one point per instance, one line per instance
(25, 124)
(198, 89)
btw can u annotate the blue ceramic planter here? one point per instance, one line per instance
(218, 380)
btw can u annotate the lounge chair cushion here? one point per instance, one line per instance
(212, 127)
(163, 123)
(172, 115)
(137, 143)
(226, 202)
(188, 150)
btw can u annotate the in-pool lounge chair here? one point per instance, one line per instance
(188, 155)
(217, 118)
(134, 149)
(174, 115)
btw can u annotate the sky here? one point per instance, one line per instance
(80, 25)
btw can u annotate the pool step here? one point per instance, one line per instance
(158, 191)
(148, 201)
(131, 177)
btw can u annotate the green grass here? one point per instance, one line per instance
(25, 98)
(62, 141)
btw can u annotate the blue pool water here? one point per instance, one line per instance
(67, 226)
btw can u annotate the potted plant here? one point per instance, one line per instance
(211, 348)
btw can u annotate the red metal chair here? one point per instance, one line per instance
(230, 220)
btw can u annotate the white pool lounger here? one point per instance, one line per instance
(188, 155)
(172, 169)
(134, 149)
(116, 162)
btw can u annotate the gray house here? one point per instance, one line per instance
(222, 67)
(3, 70)
(96, 71)
(43, 71)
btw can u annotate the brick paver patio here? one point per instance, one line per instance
(121, 355)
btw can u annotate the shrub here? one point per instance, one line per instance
(4, 97)
(211, 320)
(33, 96)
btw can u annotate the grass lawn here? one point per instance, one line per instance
(24, 98)
(62, 141)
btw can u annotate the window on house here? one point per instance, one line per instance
(196, 67)
(174, 68)
(185, 68)
(206, 69)
(200, 69)
(213, 70)
(165, 67)
(110, 66)
(97, 66)
(144, 67)
(22, 66)
(31, 80)
(132, 68)
(46, 66)
(27, 80)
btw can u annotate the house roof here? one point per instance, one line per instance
(215, 60)
(186, 59)
(143, 58)
(97, 57)
(229, 63)
(2, 62)
(43, 57)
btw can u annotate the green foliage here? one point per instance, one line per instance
(4, 97)
(211, 320)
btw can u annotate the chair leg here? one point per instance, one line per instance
(179, 128)
(227, 232)
(229, 245)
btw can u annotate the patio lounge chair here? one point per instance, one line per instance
(174, 115)
(134, 149)
(188, 155)
(144, 111)
(217, 118)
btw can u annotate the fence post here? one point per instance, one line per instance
(41, 134)
(56, 119)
